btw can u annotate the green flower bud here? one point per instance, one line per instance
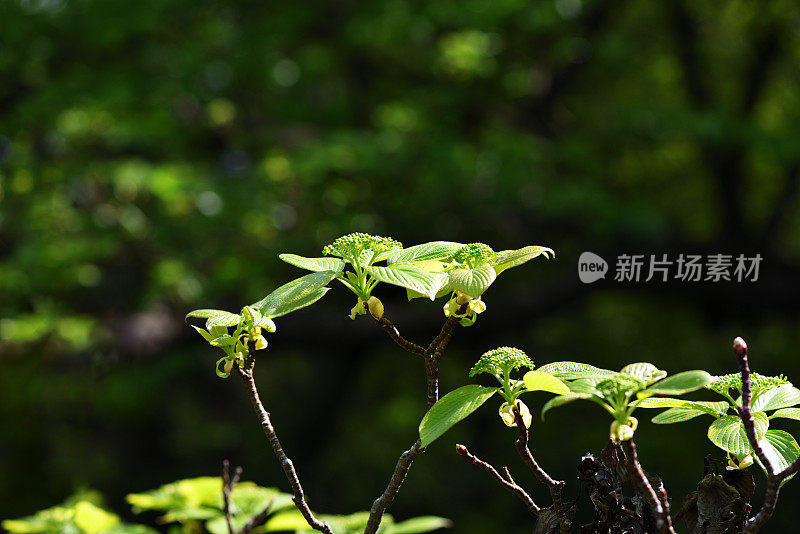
(375, 307)
(623, 432)
(350, 246)
(261, 342)
(507, 414)
(501, 360)
(475, 254)
(358, 309)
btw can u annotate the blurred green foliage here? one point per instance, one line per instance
(157, 156)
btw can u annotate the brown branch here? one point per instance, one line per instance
(555, 486)
(256, 520)
(662, 517)
(774, 480)
(228, 484)
(394, 333)
(507, 483)
(299, 498)
(399, 475)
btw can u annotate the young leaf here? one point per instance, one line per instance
(787, 413)
(435, 250)
(472, 282)
(216, 317)
(647, 372)
(715, 409)
(555, 402)
(297, 294)
(781, 450)
(513, 258)
(679, 384)
(772, 399)
(314, 264)
(728, 433)
(574, 370)
(539, 381)
(676, 415)
(417, 525)
(410, 277)
(451, 409)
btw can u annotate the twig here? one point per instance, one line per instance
(507, 483)
(256, 520)
(394, 333)
(228, 484)
(662, 517)
(555, 486)
(774, 480)
(432, 354)
(399, 475)
(299, 498)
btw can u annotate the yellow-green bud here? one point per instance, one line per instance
(375, 307)
(507, 414)
(261, 342)
(740, 463)
(228, 366)
(623, 432)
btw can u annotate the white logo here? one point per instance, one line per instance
(591, 267)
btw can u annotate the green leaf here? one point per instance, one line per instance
(451, 409)
(715, 409)
(574, 370)
(645, 371)
(417, 525)
(585, 385)
(728, 433)
(216, 317)
(561, 400)
(410, 277)
(539, 381)
(513, 258)
(679, 384)
(787, 413)
(781, 397)
(314, 264)
(297, 294)
(781, 450)
(435, 250)
(472, 282)
(676, 415)
(92, 519)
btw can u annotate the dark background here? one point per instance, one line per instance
(156, 157)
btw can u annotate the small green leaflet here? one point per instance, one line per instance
(781, 450)
(297, 294)
(787, 413)
(574, 370)
(728, 433)
(679, 384)
(773, 399)
(451, 409)
(645, 371)
(314, 264)
(435, 250)
(539, 381)
(410, 277)
(514, 258)
(472, 282)
(216, 317)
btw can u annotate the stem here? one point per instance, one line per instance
(228, 484)
(299, 498)
(555, 486)
(432, 355)
(507, 483)
(394, 333)
(774, 480)
(659, 505)
(399, 475)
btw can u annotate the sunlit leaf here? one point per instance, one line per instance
(728, 433)
(539, 381)
(451, 409)
(314, 264)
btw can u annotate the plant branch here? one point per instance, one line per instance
(555, 486)
(662, 517)
(299, 498)
(507, 482)
(228, 484)
(394, 333)
(399, 475)
(774, 480)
